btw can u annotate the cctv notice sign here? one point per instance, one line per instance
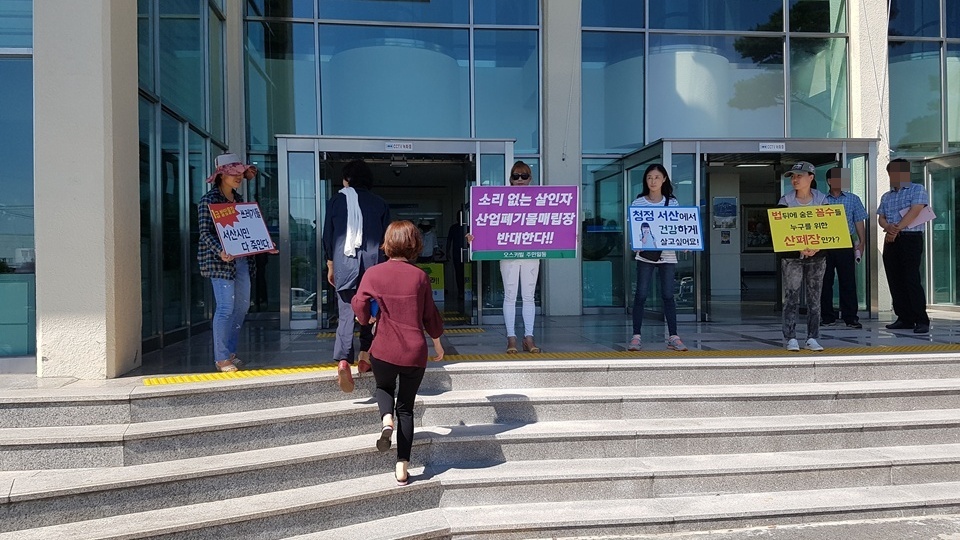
(241, 228)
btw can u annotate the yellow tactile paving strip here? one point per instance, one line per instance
(658, 354)
(331, 335)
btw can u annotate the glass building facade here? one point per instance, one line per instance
(650, 70)
(18, 316)
(182, 126)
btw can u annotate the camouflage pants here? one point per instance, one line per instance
(808, 273)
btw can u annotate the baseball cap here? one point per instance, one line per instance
(801, 166)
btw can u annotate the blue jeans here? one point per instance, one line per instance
(233, 301)
(644, 275)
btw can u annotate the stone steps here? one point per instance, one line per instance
(309, 512)
(50, 497)
(503, 450)
(673, 514)
(147, 442)
(124, 401)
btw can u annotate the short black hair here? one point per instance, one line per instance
(900, 161)
(834, 172)
(357, 174)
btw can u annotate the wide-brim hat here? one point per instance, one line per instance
(229, 164)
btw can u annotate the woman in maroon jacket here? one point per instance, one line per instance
(402, 292)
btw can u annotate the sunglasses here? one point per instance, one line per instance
(515, 176)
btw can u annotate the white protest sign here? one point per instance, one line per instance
(241, 228)
(667, 228)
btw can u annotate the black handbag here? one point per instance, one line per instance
(654, 255)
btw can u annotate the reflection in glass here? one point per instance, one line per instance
(683, 177)
(280, 8)
(818, 87)
(914, 18)
(147, 214)
(181, 59)
(602, 233)
(857, 163)
(953, 18)
(506, 12)
(171, 218)
(217, 97)
(180, 7)
(915, 119)
(953, 95)
(492, 168)
(281, 82)
(17, 255)
(508, 87)
(613, 99)
(612, 13)
(818, 16)
(200, 300)
(712, 15)
(145, 44)
(16, 24)
(945, 188)
(409, 82)
(417, 11)
(264, 190)
(303, 237)
(715, 86)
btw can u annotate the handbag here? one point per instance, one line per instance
(654, 255)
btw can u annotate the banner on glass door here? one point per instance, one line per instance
(524, 222)
(241, 228)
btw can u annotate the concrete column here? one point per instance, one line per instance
(233, 58)
(561, 138)
(870, 116)
(86, 188)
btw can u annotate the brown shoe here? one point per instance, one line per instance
(512, 345)
(344, 376)
(529, 345)
(363, 362)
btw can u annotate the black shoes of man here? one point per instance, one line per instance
(918, 328)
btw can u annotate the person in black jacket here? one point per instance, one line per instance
(353, 229)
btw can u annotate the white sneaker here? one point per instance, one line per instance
(793, 345)
(812, 345)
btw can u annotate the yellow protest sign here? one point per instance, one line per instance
(809, 227)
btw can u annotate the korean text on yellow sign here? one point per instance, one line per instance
(809, 227)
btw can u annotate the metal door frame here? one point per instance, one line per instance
(319, 145)
(666, 148)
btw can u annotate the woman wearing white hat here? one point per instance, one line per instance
(229, 275)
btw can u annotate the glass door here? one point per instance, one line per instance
(423, 180)
(944, 185)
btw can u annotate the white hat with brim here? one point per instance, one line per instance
(230, 164)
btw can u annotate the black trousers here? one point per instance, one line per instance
(843, 262)
(386, 375)
(901, 260)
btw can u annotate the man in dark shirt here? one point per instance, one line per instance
(352, 235)
(903, 247)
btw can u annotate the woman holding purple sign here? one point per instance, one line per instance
(229, 275)
(519, 275)
(657, 191)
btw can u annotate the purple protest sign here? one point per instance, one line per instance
(524, 222)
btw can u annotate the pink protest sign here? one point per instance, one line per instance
(524, 222)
